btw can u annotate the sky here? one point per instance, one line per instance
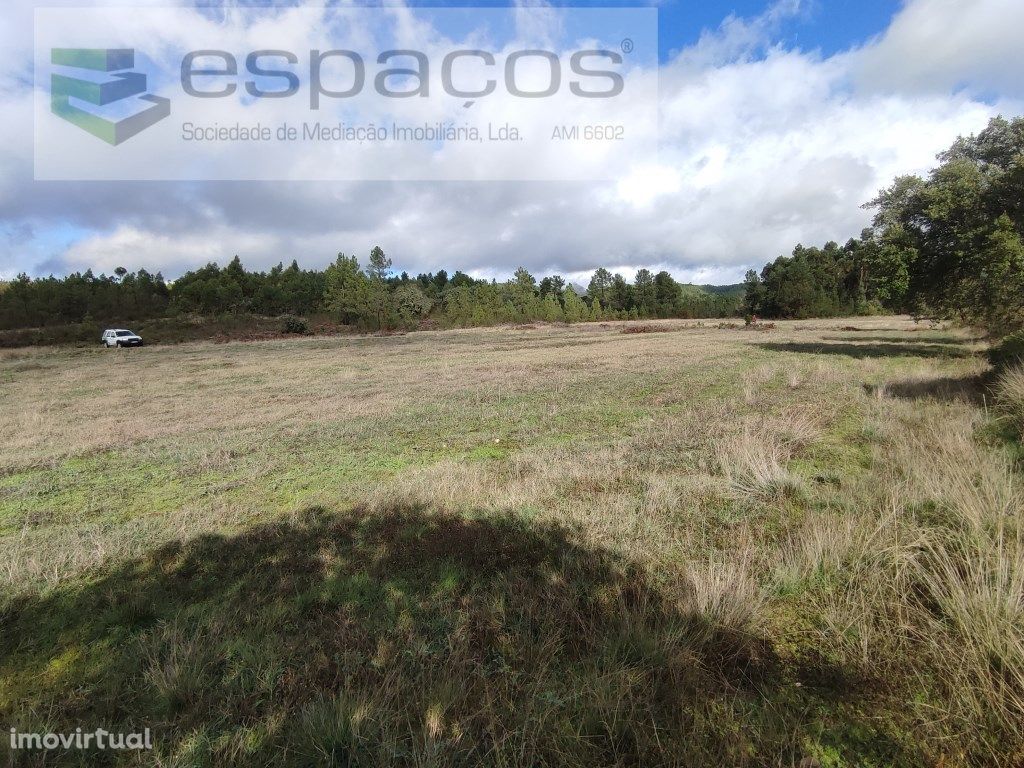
(776, 122)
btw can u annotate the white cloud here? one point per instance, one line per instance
(140, 248)
(761, 147)
(941, 45)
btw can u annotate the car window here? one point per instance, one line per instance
(124, 333)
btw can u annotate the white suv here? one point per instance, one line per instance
(118, 337)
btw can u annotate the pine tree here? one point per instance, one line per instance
(575, 308)
(380, 265)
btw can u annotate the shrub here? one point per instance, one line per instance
(293, 324)
(1008, 352)
(646, 329)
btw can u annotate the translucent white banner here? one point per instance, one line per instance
(344, 93)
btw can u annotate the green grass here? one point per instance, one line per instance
(398, 614)
(334, 460)
(565, 546)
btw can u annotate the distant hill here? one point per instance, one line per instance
(691, 290)
(735, 289)
(702, 300)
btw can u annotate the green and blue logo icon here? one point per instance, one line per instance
(96, 91)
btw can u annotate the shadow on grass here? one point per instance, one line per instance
(901, 337)
(964, 389)
(864, 351)
(406, 638)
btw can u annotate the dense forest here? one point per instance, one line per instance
(369, 297)
(948, 246)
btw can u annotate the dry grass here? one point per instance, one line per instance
(755, 461)
(534, 546)
(728, 594)
(1010, 394)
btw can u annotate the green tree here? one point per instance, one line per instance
(524, 279)
(753, 294)
(379, 266)
(621, 298)
(600, 287)
(575, 309)
(644, 295)
(1000, 283)
(667, 295)
(522, 295)
(412, 304)
(551, 309)
(380, 310)
(957, 232)
(552, 286)
(347, 292)
(458, 305)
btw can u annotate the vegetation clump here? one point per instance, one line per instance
(646, 329)
(1008, 352)
(1010, 395)
(293, 324)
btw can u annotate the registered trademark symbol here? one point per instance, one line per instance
(626, 45)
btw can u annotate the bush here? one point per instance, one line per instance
(1008, 352)
(293, 324)
(872, 307)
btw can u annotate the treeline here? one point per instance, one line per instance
(374, 298)
(26, 303)
(948, 246)
(832, 281)
(369, 297)
(131, 296)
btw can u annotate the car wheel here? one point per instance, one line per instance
(117, 344)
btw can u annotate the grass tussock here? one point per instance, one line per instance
(955, 478)
(1010, 397)
(972, 620)
(755, 465)
(930, 587)
(727, 595)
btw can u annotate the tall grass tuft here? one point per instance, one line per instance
(754, 463)
(727, 594)
(972, 620)
(1010, 397)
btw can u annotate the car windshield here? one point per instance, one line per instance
(125, 333)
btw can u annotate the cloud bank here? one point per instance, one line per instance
(761, 146)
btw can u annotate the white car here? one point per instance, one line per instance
(119, 337)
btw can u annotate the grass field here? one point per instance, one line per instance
(534, 546)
